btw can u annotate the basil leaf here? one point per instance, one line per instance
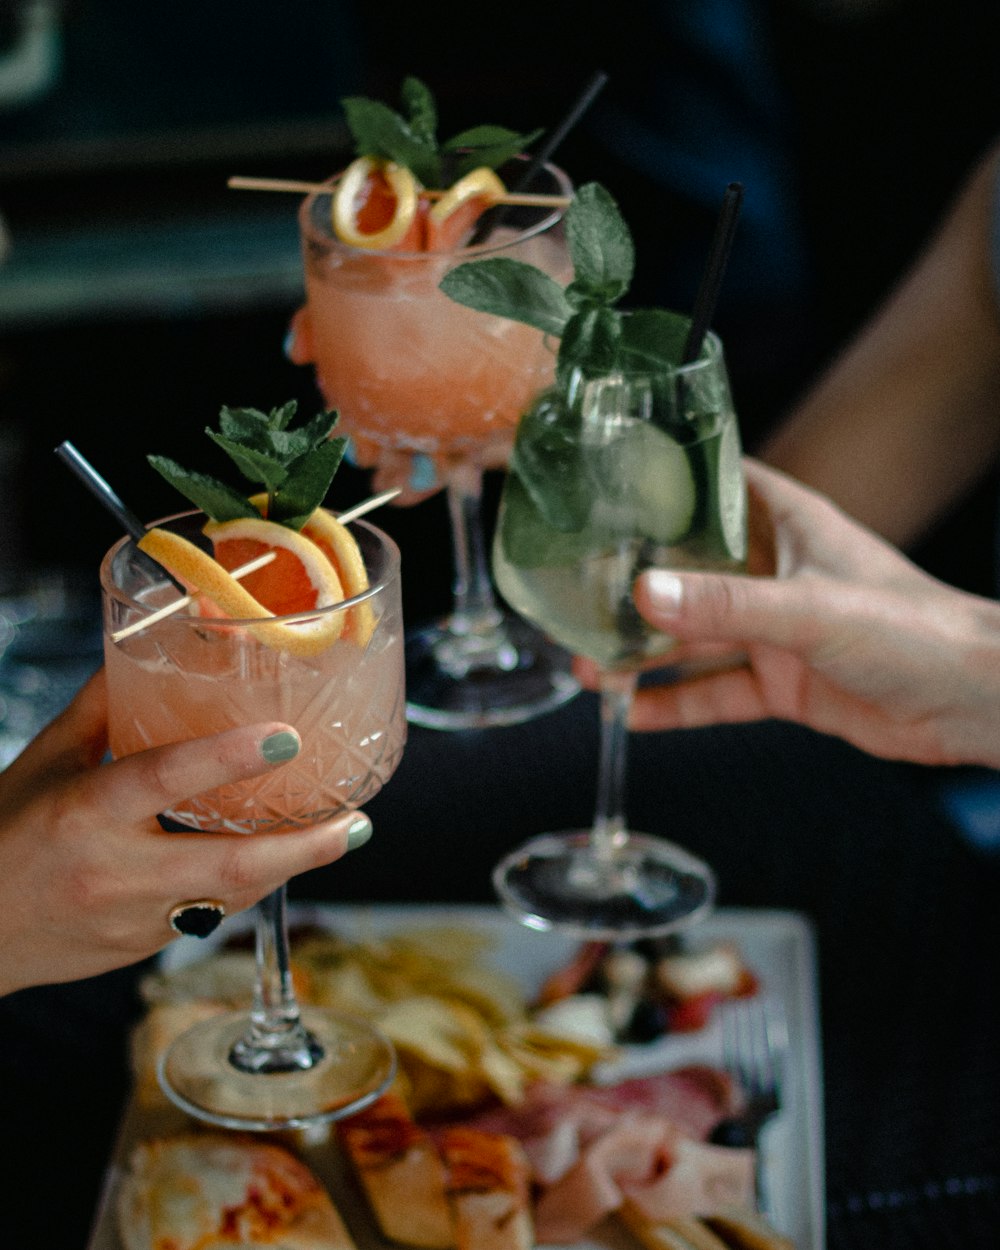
(509, 288)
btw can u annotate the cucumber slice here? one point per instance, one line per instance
(732, 492)
(646, 485)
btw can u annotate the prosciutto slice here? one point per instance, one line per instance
(591, 1147)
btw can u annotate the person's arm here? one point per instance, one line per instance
(849, 638)
(907, 419)
(88, 877)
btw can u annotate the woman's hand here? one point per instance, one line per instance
(840, 633)
(89, 877)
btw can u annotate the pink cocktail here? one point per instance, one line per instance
(413, 373)
(193, 673)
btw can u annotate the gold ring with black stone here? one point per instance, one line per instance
(198, 917)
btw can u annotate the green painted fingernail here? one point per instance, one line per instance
(280, 746)
(358, 832)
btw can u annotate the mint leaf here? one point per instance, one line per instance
(547, 459)
(512, 289)
(600, 245)
(654, 337)
(411, 140)
(294, 465)
(213, 497)
(421, 110)
(307, 483)
(256, 466)
(526, 539)
(591, 340)
(379, 131)
(492, 146)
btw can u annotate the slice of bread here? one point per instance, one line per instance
(489, 1190)
(680, 1232)
(401, 1173)
(210, 1190)
(746, 1230)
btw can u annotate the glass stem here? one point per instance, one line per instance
(475, 609)
(474, 636)
(609, 831)
(276, 1040)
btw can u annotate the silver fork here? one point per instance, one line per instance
(754, 1040)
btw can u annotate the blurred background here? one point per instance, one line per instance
(138, 293)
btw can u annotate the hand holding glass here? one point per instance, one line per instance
(613, 473)
(185, 676)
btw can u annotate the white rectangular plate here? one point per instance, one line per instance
(778, 947)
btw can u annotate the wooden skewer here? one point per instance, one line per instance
(522, 198)
(251, 566)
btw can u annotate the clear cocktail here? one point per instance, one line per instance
(650, 475)
(611, 474)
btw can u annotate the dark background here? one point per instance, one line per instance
(139, 295)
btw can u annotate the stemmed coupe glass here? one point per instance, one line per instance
(413, 373)
(647, 472)
(183, 676)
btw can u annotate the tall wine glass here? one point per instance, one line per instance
(185, 676)
(611, 474)
(412, 372)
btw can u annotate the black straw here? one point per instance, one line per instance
(100, 489)
(103, 493)
(711, 282)
(492, 218)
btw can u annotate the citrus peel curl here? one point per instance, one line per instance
(301, 579)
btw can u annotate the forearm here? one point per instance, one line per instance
(907, 419)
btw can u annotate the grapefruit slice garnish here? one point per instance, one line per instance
(337, 543)
(458, 210)
(375, 206)
(299, 579)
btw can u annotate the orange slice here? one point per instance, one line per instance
(375, 206)
(337, 543)
(461, 206)
(299, 579)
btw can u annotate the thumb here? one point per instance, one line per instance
(718, 607)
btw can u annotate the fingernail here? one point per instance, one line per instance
(664, 591)
(350, 455)
(358, 832)
(423, 475)
(280, 746)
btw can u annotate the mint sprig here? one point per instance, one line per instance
(295, 466)
(595, 335)
(410, 138)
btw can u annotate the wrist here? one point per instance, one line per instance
(979, 732)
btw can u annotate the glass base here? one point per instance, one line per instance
(355, 1064)
(649, 887)
(510, 675)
